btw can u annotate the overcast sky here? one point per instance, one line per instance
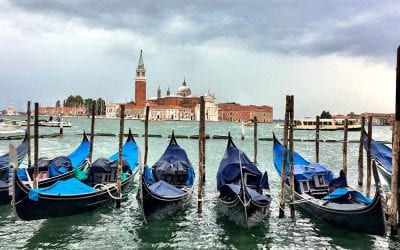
(331, 55)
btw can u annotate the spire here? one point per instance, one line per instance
(184, 82)
(141, 64)
(168, 92)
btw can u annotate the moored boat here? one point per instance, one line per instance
(168, 185)
(244, 194)
(321, 195)
(22, 151)
(382, 155)
(72, 196)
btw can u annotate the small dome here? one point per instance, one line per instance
(184, 90)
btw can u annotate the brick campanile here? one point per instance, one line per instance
(140, 83)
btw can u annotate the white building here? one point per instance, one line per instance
(211, 109)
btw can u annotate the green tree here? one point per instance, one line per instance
(101, 106)
(58, 103)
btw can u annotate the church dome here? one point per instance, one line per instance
(184, 90)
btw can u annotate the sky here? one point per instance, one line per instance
(337, 55)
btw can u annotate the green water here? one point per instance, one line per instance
(111, 228)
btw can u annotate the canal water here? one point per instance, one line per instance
(111, 228)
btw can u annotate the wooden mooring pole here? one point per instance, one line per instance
(346, 126)
(243, 131)
(395, 207)
(202, 141)
(255, 140)
(61, 125)
(361, 153)
(369, 159)
(317, 138)
(36, 147)
(28, 133)
(146, 134)
(291, 158)
(284, 160)
(92, 131)
(119, 170)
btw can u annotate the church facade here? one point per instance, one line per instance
(182, 105)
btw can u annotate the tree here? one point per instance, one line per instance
(101, 107)
(58, 103)
(325, 115)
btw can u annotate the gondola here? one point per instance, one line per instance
(382, 155)
(22, 151)
(320, 194)
(244, 194)
(168, 185)
(72, 196)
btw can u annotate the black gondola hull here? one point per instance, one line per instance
(247, 216)
(52, 206)
(369, 219)
(157, 207)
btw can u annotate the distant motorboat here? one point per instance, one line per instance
(10, 128)
(54, 124)
(325, 124)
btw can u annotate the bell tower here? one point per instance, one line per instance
(140, 83)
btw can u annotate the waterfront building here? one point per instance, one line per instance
(112, 110)
(235, 112)
(10, 110)
(183, 105)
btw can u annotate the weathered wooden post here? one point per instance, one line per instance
(394, 213)
(92, 131)
(284, 160)
(61, 125)
(36, 145)
(146, 134)
(291, 158)
(255, 140)
(360, 153)
(28, 133)
(346, 126)
(119, 170)
(201, 156)
(369, 160)
(317, 138)
(243, 132)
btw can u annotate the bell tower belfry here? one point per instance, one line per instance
(140, 83)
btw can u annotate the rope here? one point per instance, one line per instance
(108, 191)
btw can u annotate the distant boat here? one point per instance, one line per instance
(9, 127)
(54, 122)
(331, 199)
(325, 124)
(249, 123)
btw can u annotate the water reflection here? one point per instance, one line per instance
(237, 237)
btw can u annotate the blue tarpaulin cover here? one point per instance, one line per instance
(61, 164)
(229, 168)
(344, 193)
(253, 193)
(303, 169)
(162, 188)
(381, 153)
(129, 154)
(68, 187)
